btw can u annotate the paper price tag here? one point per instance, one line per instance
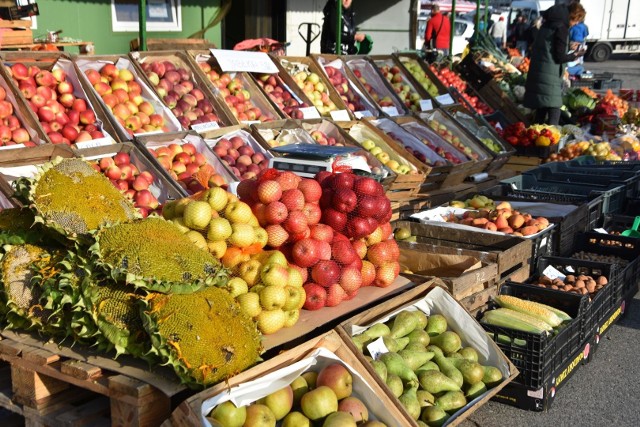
(426, 105)
(94, 143)
(445, 99)
(392, 111)
(251, 122)
(252, 62)
(552, 273)
(11, 147)
(361, 114)
(376, 348)
(204, 127)
(340, 116)
(600, 230)
(310, 113)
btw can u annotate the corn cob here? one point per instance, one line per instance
(561, 314)
(512, 319)
(530, 308)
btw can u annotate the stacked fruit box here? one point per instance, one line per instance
(286, 96)
(63, 109)
(421, 74)
(238, 90)
(125, 98)
(343, 80)
(182, 88)
(308, 76)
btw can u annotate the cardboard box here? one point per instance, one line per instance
(435, 300)
(84, 63)
(279, 371)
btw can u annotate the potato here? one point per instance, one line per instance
(591, 287)
(567, 287)
(570, 278)
(554, 287)
(602, 280)
(580, 284)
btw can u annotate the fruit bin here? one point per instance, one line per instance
(24, 163)
(24, 120)
(472, 288)
(208, 171)
(616, 224)
(60, 62)
(434, 300)
(627, 248)
(241, 136)
(148, 97)
(291, 101)
(499, 101)
(537, 356)
(144, 63)
(415, 65)
(440, 169)
(375, 85)
(477, 125)
(462, 166)
(281, 132)
(405, 185)
(529, 186)
(163, 188)
(601, 303)
(410, 92)
(382, 174)
(280, 370)
(513, 253)
(300, 68)
(257, 99)
(365, 106)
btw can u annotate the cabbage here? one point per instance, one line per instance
(577, 99)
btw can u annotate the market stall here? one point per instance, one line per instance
(181, 243)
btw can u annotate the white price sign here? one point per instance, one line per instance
(391, 111)
(552, 273)
(445, 99)
(361, 114)
(600, 230)
(252, 62)
(310, 113)
(376, 348)
(93, 143)
(204, 127)
(426, 105)
(340, 116)
(11, 147)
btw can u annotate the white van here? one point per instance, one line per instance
(463, 32)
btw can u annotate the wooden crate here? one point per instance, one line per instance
(189, 412)
(513, 253)
(52, 390)
(520, 164)
(498, 100)
(401, 302)
(173, 44)
(15, 33)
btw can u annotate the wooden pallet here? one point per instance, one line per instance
(51, 390)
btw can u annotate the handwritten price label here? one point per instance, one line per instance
(251, 62)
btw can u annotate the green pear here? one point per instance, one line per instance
(430, 365)
(451, 401)
(409, 400)
(469, 353)
(380, 368)
(395, 344)
(437, 324)
(436, 382)
(475, 390)
(403, 324)
(378, 330)
(394, 383)
(421, 336)
(472, 372)
(425, 398)
(396, 365)
(415, 359)
(434, 416)
(422, 319)
(492, 376)
(448, 341)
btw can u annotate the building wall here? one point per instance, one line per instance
(299, 11)
(91, 21)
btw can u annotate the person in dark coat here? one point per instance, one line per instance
(548, 56)
(533, 32)
(349, 35)
(521, 35)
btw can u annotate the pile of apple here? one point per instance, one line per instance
(240, 157)
(450, 78)
(448, 136)
(235, 95)
(385, 158)
(185, 164)
(418, 73)
(504, 219)
(123, 95)
(334, 229)
(381, 99)
(11, 130)
(263, 284)
(442, 152)
(415, 152)
(178, 90)
(401, 86)
(324, 398)
(352, 100)
(65, 118)
(312, 86)
(127, 178)
(280, 94)
(323, 139)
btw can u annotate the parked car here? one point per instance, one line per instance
(463, 32)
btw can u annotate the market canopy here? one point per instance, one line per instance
(446, 6)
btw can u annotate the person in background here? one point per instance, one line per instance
(438, 32)
(521, 35)
(533, 32)
(349, 35)
(543, 89)
(577, 35)
(499, 33)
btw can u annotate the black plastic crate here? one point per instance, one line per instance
(602, 301)
(608, 84)
(599, 179)
(583, 83)
(627, 248)
(613, 195)
(616, 224)
(542, 245)
(592, 162)
(586, 219)
(537, 356)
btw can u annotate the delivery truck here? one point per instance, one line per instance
(614, 25)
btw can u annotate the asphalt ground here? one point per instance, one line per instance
(606, 391)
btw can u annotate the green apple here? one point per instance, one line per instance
(296, 419)
(280, 402)
(228, 415)
(249, 271)
(236, 287)
(259, 416)
(318, 403)
(273, 297)
(376, 150)
(238, 212)
(274, 275)
(299, 387)
(368, 144)
(242, 236)
(339, 419)
(310, 377)
(383, 157)
(277, 257)
(219, 229)
(217, 198)
(249, 303)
